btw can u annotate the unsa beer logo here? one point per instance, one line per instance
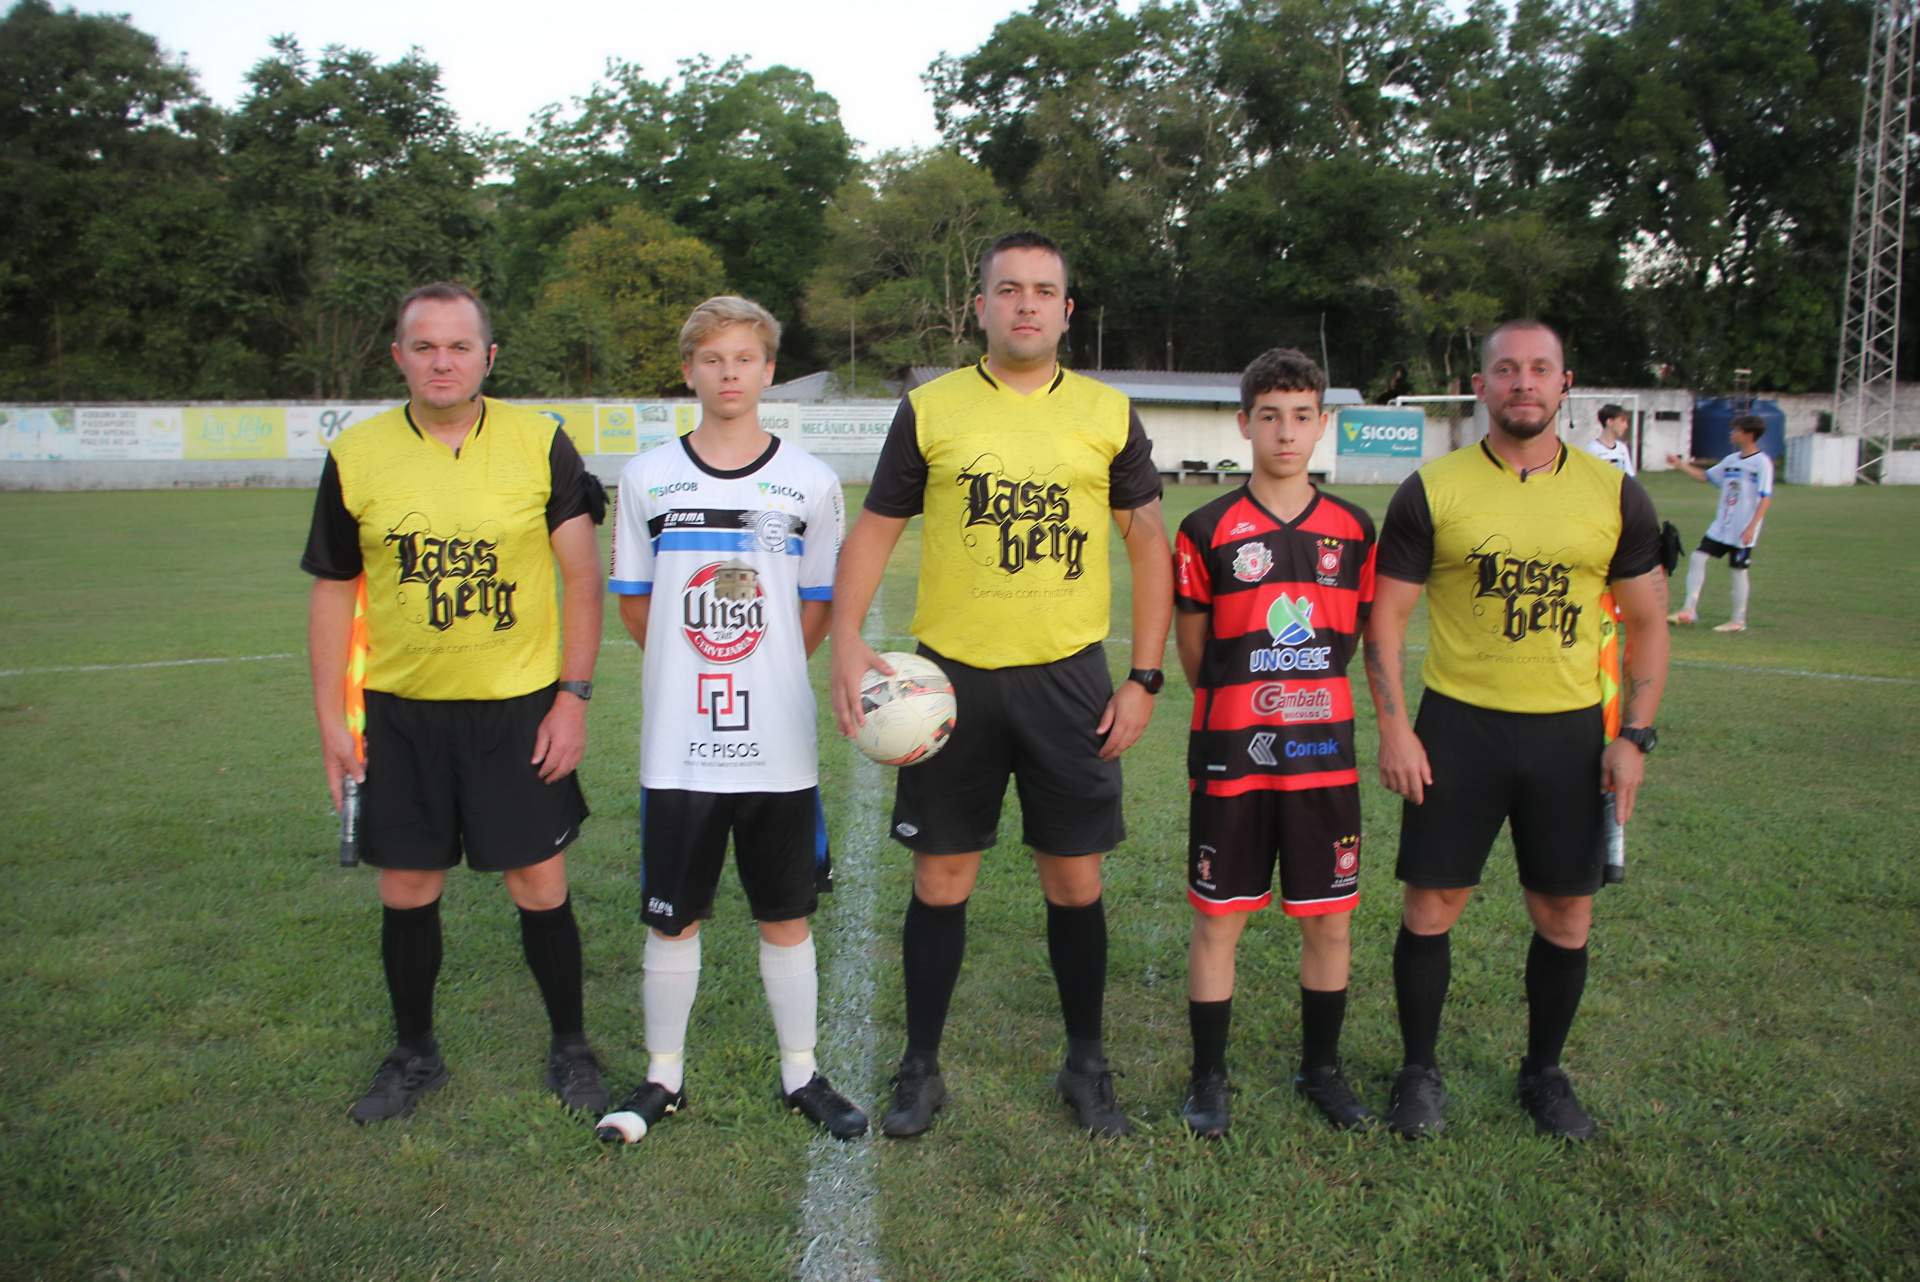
(723, 612)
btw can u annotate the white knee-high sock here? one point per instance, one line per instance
(793, 995)
(1696, 579)
(669, 978)
(1741, 586)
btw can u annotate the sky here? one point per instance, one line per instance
(501, 62)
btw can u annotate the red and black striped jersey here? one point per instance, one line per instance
(1287, 601)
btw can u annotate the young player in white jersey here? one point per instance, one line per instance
(1611, 445)
(734, 534)
(1745, 481)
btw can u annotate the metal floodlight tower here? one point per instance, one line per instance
(1863, 394)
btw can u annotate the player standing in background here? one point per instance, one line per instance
(739, 532)
(1018, 465)
(1745, 480)
(457, 509)
(1272, 583)
(1517, 537)
(1611, 445)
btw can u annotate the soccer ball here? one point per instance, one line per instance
(909, 715)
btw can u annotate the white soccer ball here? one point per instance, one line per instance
(909, 715)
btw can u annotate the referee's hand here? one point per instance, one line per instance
(340, 760)
(562, 739)
(852, 656)
(1403, 763)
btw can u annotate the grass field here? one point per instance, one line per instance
(192, 997)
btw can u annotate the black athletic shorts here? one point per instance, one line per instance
(448, 774)
(779, 850)
(1537, 772)
(1313, 834)
(1035, 722)
(1737, 557)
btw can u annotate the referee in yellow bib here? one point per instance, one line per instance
(473, 523)
(1514, 539)
(1018, 466)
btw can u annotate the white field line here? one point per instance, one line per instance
(130, 667)
(839, 1212)
(1775, 672)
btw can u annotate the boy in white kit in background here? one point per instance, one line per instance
(1745, 481)
(738, 534)
(1611, 445)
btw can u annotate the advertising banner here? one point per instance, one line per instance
(1383, 433)
(235, 432)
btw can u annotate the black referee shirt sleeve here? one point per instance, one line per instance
(1132, 479)
(1639, 548)
(568, 496)
(333, 540)
(899, 487)
(1406, 538)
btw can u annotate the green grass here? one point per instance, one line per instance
(190, 994)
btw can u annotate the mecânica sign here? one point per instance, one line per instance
(1392, 433)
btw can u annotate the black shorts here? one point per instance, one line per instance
(779, 850)
(1537, 772)
(1737, 557)
(1035, 722)
(1313, 834)
(447, 774)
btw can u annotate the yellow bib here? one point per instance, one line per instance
(461, 583)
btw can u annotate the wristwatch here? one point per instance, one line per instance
(1641, 737)
(1151, 678)
(581, 690)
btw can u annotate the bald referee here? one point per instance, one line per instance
(1514, 539)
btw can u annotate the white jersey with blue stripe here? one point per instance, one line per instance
(1743, 480)
(727, 558)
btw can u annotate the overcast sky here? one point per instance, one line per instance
(500, 62)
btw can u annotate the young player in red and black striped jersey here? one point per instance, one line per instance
(1273, 583)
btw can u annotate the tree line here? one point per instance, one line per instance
(1670, 182)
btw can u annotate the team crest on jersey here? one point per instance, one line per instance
(1346, 857)
(723, 612)
(1252, 561)
(1327, 563)
(771, 529)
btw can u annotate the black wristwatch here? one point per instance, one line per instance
(1641, 737)
(1151, 678)
(581, 690)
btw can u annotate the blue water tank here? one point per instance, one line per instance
(1713, 428)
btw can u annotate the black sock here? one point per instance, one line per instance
(933, 942)
(1556, 977)
(1321, 1015)
(1210, 1023)
(1077, 947)
(551, 939)
(1422, 968)
(410, 949)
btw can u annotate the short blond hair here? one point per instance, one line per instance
(722, 312)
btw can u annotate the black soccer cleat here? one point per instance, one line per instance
(827, 1109)
(1327, 1089)
(1549, 1097)
(918, 1094)
(573, 1074)
(1206, 1111)
(1414, 1110)
(398, 1083)
(640, 1113)
(1091, 1095)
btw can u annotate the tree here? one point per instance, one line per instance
(608, 323)
(746, 161)
(107, 156)
(356, 184)
(902, 256)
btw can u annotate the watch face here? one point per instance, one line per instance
(1152, 678)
